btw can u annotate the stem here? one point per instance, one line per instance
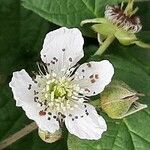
(104, 45)
(18, 135)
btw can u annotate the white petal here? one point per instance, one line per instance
(62, 48)
(94, 76)
(85, 126)
(42, 121)
(23, 87)
(25, 98)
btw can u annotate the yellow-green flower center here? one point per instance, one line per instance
(59, 89)
(57, 93)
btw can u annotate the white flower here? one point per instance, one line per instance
(59, 93)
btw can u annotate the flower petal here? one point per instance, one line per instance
(62, 48)
(23, 90)
(85, 123)
(23, 87)
(44, 122)
(94, 76)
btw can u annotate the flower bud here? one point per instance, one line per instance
(118, 100)
(50, 137)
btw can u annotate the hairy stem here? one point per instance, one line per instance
(104, 45)
(18, 135)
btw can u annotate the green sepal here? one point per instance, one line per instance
(133, 109)
(95, 20)
(100, 38)
(142, 44)
(105, 29)
(125, 37)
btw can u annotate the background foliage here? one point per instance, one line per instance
(21, 37)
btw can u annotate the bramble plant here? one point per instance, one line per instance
(79, 71)
(119, 22)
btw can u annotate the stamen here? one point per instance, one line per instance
(58, 94)
(118, 16)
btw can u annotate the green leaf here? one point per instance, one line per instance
(131, 133)
(68, 13)
(21, 37)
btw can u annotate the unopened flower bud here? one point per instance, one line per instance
(118, 100)
(50, 137)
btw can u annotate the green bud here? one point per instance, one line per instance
(50, 137)
(118, 100)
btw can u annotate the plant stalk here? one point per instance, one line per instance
(104, 45)
(18, 135)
